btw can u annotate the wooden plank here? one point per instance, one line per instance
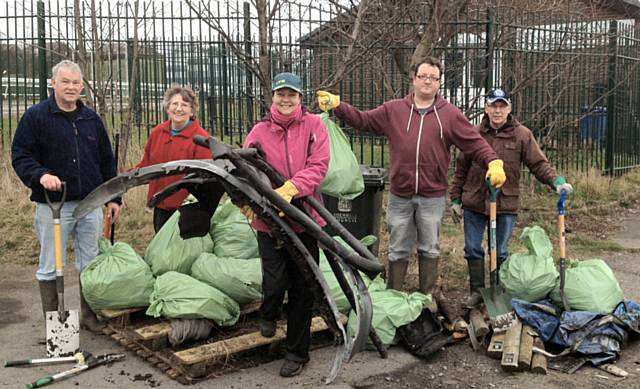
(479, 325)
(526, 345)
(538, 361)
(115, 313)
(153, 331)
(162, 329)
(496, 345)
(220, 350)
(511, 347)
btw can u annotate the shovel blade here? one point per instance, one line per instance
(499, 308)
(63, 336)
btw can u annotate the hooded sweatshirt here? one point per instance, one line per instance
(420, 144)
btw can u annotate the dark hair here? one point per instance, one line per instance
(433, 61)
(187, 95)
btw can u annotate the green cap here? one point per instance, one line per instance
(287, 80)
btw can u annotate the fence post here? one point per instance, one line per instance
(247, 70)
(488, 80)
(611, 98)
(42, 52)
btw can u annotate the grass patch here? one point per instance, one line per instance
(583, 243)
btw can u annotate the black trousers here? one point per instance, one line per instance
(280, 275)
(160, 216)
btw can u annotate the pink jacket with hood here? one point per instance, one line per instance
(420, 145)
(300, 152)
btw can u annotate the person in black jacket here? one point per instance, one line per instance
(62, 140)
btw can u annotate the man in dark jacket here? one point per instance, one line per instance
(515, 144)
(421, 128)
(57, 141)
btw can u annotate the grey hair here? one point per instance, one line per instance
(66, 65)
(188, 95)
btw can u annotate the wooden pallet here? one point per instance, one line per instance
(226, 350)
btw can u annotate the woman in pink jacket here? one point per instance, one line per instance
(296, 144)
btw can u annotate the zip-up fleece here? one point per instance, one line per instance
(300, 152)
(419, 144)
(47, 142)
(162, 147)
(515, 144)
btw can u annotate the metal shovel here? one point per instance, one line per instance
(63, 327)
(496, 299)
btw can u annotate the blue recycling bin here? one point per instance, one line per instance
(593, 127)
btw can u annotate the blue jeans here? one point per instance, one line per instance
(415, 218)
(475, 225)
(85, 232)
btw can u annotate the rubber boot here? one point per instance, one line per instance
(476, 282)
(88, 319)
(48, 296)
(427, 278)
(427, 274)
(395, 275)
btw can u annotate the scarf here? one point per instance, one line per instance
(285, 120)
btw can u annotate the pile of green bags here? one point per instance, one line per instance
(167, 251)
(117, 278)
(240, 279)
(177, 295)
(532, 275)
(589, 286)
(231, 233)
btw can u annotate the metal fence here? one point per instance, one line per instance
(575, 78)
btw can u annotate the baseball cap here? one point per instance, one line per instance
(287, 80)
(497, 95)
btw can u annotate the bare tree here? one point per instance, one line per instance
(260, 67)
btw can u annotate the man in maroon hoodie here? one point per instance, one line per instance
(421, 128)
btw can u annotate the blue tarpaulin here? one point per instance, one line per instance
(597, 336)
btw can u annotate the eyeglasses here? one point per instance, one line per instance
(424, 77)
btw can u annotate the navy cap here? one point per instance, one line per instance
(498, 95)
(287, 80)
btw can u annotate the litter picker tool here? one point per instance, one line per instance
(90, 363)
(62, 326)
(78, 358)
(563, 264)
(496, 299)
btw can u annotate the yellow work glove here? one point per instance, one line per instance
(327, 101)
(248, 212)
(287, 191)
(495, 173)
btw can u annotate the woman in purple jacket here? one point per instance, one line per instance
(296, 144)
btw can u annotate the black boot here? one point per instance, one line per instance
(396, 273)
(88, 319)
(428, 278)
(476, 281)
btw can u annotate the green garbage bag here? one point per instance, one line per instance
(336, 291)
(530, 276)
(344, 178)
(391, 309)
(589, 286)
(232, 235)
(116, 278)
(240, 279)
(167, 251)
(179, 296)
